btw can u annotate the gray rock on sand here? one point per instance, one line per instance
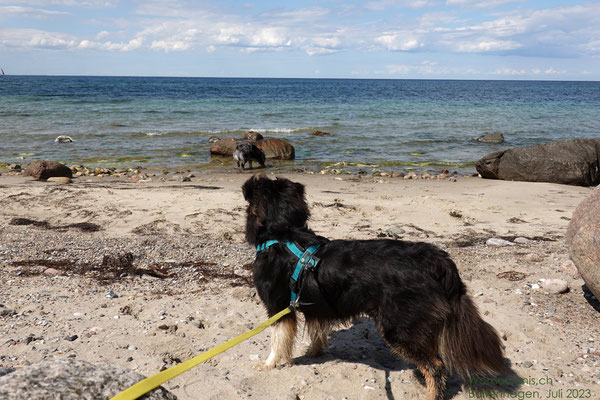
(70, 380)
(497, 242)
(555, 286)
(492, 138)
(571, 162)
(59, 179)
(44, 169)
(583, 240)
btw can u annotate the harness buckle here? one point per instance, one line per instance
(309, 261)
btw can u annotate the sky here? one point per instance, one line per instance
(383, 39)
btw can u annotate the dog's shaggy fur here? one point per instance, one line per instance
(248, 152)
(411, 290)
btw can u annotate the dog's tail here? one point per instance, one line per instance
(469, 346)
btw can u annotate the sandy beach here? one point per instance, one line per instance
(145, 274)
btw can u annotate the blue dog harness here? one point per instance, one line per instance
(306, 259)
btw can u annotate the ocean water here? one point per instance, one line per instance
(396, 124)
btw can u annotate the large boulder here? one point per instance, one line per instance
(72, 380)
(583, 240)
(274, 148)
(44, 169)
(225, 147)
(572, 162)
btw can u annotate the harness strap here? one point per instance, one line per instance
(306, 259)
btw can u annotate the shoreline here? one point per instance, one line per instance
(187, 286)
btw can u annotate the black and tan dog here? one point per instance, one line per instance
(411, 290)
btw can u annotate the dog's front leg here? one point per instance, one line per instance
(283, 335)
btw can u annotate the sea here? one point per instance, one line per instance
(158, 122)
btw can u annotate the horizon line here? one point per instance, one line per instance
(306, 78)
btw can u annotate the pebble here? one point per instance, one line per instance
(521, 240)
(52, 271)
(532, 257)
(111, 295)
(71, 338)
(59, 179)
(570, 268)
(132, 348)
(6, 370)
(528, 364)
(497, 242)
(555, 286)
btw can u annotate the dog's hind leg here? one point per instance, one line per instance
(319, 336)
(420, 346)
(283, 335)
(431, 366)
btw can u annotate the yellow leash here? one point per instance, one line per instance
(146, 385)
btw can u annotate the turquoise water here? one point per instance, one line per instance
(166, 122)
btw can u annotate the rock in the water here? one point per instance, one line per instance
(64, 139)
(70, 380)
(572, 162)
(253, 136)
(44, 169)
(276, 149)
(320, 133)
(555, 286)
(583, 240)
(491, 138)
(225, 147)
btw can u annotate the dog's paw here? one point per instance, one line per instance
(263, 366)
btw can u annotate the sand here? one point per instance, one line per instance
(189, 286)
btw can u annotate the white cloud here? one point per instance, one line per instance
(480, 3)
(27, 12)
(528, 72)
(170, 45)
(489, 45)
(424, 68)
(398, 41)
(97, 4)
(133, 44)
(380, 5)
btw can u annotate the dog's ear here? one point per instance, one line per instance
(291, 209)
(249, 186)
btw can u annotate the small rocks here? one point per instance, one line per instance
(521, 240)
(532, 257)
(71, 338)
(6, 370)
(497, 242)
(111, 295)
(555, 286)
(528, 364)
(7, 313)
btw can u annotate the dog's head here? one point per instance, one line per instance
(275, 208)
